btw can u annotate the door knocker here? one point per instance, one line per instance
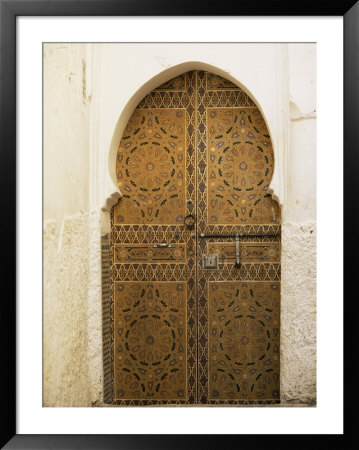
(189, 221)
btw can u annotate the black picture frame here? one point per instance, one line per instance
(9, 11)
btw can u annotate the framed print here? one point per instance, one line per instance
(174, 180)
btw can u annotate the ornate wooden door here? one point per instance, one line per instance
(195, 311)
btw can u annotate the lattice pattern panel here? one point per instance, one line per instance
(106, 318)
(151, 166)
(243, 340)
(239, 167)
(216, 83)
(155, 171)
(234, 154)
(150, 342)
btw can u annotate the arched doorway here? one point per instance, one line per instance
(195, 250)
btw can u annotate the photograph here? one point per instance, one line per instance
(179, 224)
(175, 180)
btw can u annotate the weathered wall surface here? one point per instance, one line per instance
(65, 314)
(298, 290)
(90, 92)
(72, 351)
(66, 132)
(72, 324)
(298, 313)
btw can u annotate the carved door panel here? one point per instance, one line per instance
(153, 253)
(238, 307)
(183, 333)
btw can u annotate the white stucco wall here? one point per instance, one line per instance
(86, 116)
(72, 274)
(298, 287)
(66, 132)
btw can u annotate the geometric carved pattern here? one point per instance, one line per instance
(106, 318)
(151, 167)
(240, 167)
(176, 84)
(253, 251)
(182, 272)
(243, 340)
(148, 253)
(155, 171)
(220, 116)
(182, 334)
(216, 82)
(150, 340)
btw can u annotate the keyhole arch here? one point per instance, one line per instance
(152, 84)
(153, 210)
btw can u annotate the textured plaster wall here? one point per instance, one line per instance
(72, 324)
(72, 348)
(298, 313)
(66, 132)
(66, 277)
(298, 285)
(81, 130)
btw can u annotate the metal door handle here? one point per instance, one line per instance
(238, 263)
(164, 245)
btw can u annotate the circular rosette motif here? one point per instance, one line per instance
(150, 341)
(240, 166)
(150, 167)
(244, 340)
(248, 166)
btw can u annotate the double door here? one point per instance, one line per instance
(195, 250)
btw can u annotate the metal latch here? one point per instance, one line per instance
(164, 245)
(236, 236)
(237, 264)
(210, 261)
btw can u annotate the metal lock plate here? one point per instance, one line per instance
(210, 261)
